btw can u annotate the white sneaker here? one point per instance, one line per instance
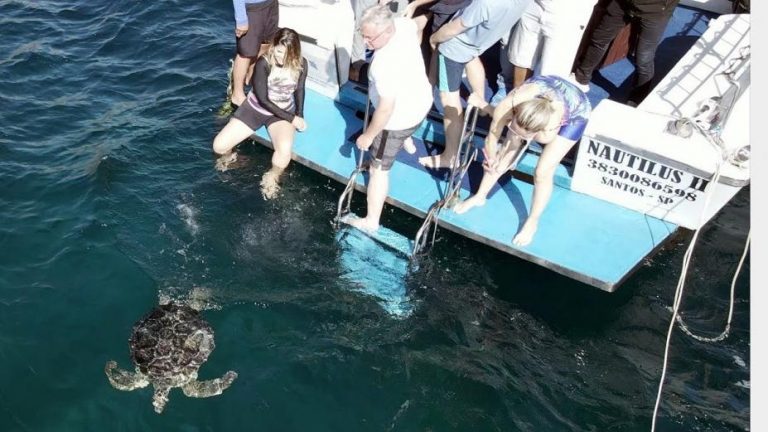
(582, 87)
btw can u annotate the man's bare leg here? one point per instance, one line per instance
(248, 75)
(239, 72)
(520, 75)
(453, 121)
(476, 76)
(378, 186)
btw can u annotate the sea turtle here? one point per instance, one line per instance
(168, 345)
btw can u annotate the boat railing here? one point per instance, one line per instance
(729, 40)
(736, 67)
(713, 113)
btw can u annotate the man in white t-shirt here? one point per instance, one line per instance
(401, 95)
(357, 56)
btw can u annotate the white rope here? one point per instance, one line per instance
(727, 329)
(684, 273)
(676, 306)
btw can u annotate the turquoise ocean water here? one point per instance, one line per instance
(109, 199)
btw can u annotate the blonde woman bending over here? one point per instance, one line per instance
(275, 101)
(548, 109)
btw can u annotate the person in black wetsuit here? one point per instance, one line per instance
(275, 101)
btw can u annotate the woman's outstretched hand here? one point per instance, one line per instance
(490, 163)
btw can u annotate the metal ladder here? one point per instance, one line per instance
(467, 153)
(345, 199)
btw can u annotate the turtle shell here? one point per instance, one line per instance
(171, 340)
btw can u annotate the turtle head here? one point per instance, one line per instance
(198, 298)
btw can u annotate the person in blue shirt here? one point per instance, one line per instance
(548, 109)
(459, 44)
(255, 25)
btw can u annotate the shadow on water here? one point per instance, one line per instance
(563, 303)
(455, 260)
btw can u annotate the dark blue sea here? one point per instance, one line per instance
(109, 200)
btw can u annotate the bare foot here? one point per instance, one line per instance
(362, 224)
(269, 185)
(525, 236)
(223, 162)
(467, 204)
(409, 146)
(436, 161)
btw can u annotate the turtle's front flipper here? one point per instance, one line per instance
(208, 388)
(124, 380)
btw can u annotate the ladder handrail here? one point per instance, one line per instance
(346, 195)
(459, 167)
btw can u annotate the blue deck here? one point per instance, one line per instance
(584, 238)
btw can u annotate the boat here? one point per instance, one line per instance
(640, 175)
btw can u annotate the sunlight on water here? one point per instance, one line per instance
(377, 269)
(188, 215)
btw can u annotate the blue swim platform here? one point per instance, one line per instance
(581, 237)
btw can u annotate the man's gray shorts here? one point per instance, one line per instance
(384, 156)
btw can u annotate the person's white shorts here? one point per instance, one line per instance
(545, 43)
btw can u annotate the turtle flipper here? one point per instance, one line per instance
(160, 398)
(124, 380)
(201, 389)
